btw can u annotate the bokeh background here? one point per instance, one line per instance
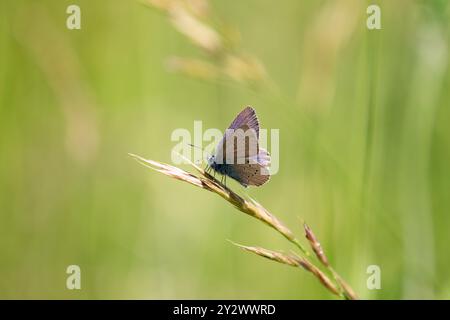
(364, 145)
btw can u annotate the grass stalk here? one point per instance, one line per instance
(249, 206)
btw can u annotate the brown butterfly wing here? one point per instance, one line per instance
(240, 142)
(249, 174)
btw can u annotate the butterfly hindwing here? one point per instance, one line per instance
(249, 174)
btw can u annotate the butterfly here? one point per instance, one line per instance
(238, 155)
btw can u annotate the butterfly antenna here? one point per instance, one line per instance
(193, 145)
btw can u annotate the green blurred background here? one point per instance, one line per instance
(364, 148)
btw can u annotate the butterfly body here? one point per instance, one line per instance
(221, 168)
(238, 154)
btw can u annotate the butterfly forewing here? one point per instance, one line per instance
(240, 145)
(246, 117)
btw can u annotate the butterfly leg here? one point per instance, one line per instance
(225, 180)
